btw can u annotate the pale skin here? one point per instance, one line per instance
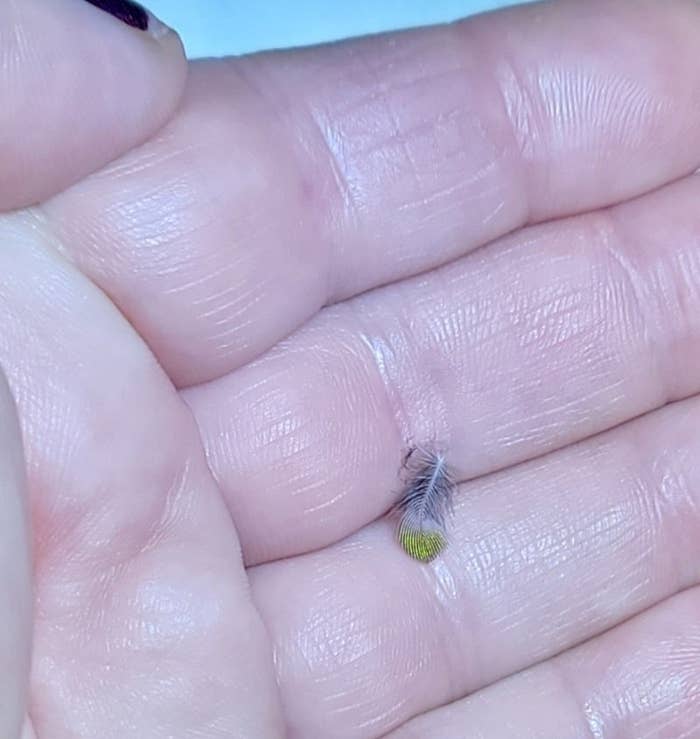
(244, 295)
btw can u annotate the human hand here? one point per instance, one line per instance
(285, 279)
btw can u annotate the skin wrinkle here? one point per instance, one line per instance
(202, 281)
(633, 292)
(537, 558)
(687, 288)
(355, 702)
(501, 71)
(439, 579)
(329, 649)
(400, 135)
(334, 146)
(464, 188)
(580, 99)
(396, 365)
(345, 394)
(141, 236)
(519, 105)
(519, 114)
(652, 693)
(626, 686)
(673, 493)
(567, 97)
(16, 51)
(162, 148)
(321, 129)
(274, 99)
(587, 721)
(381, 352)
(397, 135)
(301, 466)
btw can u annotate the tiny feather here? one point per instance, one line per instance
(424, 506)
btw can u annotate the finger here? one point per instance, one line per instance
(542, 557)
(641, 679)
(554, 334)
(297, 179)
(142, 597)
(79, 88)
(15, 573)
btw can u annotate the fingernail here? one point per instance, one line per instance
(131, 13)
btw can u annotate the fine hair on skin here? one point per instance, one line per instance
(425, 504)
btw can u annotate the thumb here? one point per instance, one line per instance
(79, 87)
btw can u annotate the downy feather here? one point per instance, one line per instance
(424, 505)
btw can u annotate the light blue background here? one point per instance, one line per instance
(217, 27)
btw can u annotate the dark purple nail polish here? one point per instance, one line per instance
(131, 13)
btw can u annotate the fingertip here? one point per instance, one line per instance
(82, 89)
(135, 16)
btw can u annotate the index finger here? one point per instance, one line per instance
(292, 180)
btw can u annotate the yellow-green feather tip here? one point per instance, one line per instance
(421, 545)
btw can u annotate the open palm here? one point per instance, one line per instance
(223, 344)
